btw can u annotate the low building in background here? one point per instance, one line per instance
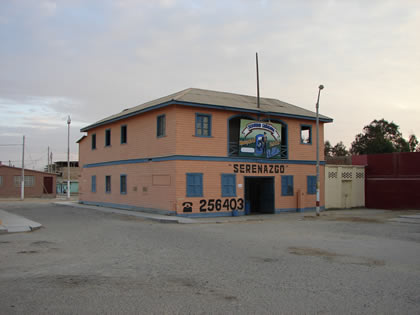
(60, 168)
(37, 184)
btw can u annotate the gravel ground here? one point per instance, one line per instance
(89, 262)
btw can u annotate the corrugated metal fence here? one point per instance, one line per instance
(392, 181)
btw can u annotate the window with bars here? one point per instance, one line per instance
(202, 125)
(29, 180)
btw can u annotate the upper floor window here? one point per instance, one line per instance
(107, 137)
(161, 126)
(94, 141)
(203, 125)
(306, 134)
(123, 134)
(1, 180)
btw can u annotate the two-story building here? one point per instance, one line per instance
(203, 153)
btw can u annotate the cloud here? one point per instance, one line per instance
(93, 59)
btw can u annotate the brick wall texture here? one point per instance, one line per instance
(8, 189)
(161, 184)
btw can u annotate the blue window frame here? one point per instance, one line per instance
(93, 184)
(228, 185)
(108, 184)
(107, 137)
(287, 185)
(311, 180)
(194, 184)
(123, 184)
(306, 134)
(123, 134)
(94, 141)
(161, 126)
(202, 125)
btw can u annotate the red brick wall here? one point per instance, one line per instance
(9, 190)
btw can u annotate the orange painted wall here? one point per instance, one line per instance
(144, 191)
(149, 185)
(212, 183)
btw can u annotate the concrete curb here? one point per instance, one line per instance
(145, 215)
(13, 223)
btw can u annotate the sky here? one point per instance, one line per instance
(92, 59)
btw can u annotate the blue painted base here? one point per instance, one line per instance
(191, 215)
(210, 214)
(309, 209)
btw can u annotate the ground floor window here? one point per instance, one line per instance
(108, 184)
(29, 181)
(93, 185)
(194, 184)
(228, 185)
(287, 185)
(311, 185)
(123, 184)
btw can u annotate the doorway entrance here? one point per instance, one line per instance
(48, 185)
(259, 195)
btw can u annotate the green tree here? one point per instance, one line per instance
(380, 136)
(413, 143)
(327, 148)
(339, 150)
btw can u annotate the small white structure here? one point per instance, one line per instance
(344, 186)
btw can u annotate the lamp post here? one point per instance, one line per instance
(68, 156)
(317, 150)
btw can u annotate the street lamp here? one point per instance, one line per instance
(317, 150)
(68, 156)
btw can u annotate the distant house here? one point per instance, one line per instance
(204, 153)
(60, 168)
(37, 184)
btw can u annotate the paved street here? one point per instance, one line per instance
(89, 262)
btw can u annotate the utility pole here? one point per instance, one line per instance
(22, 187)
(48, 159)
(317, 152)
(68, 157)
(258, 82)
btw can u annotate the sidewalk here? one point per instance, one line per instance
(145, 215)
(11, 223)
(163, 218)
